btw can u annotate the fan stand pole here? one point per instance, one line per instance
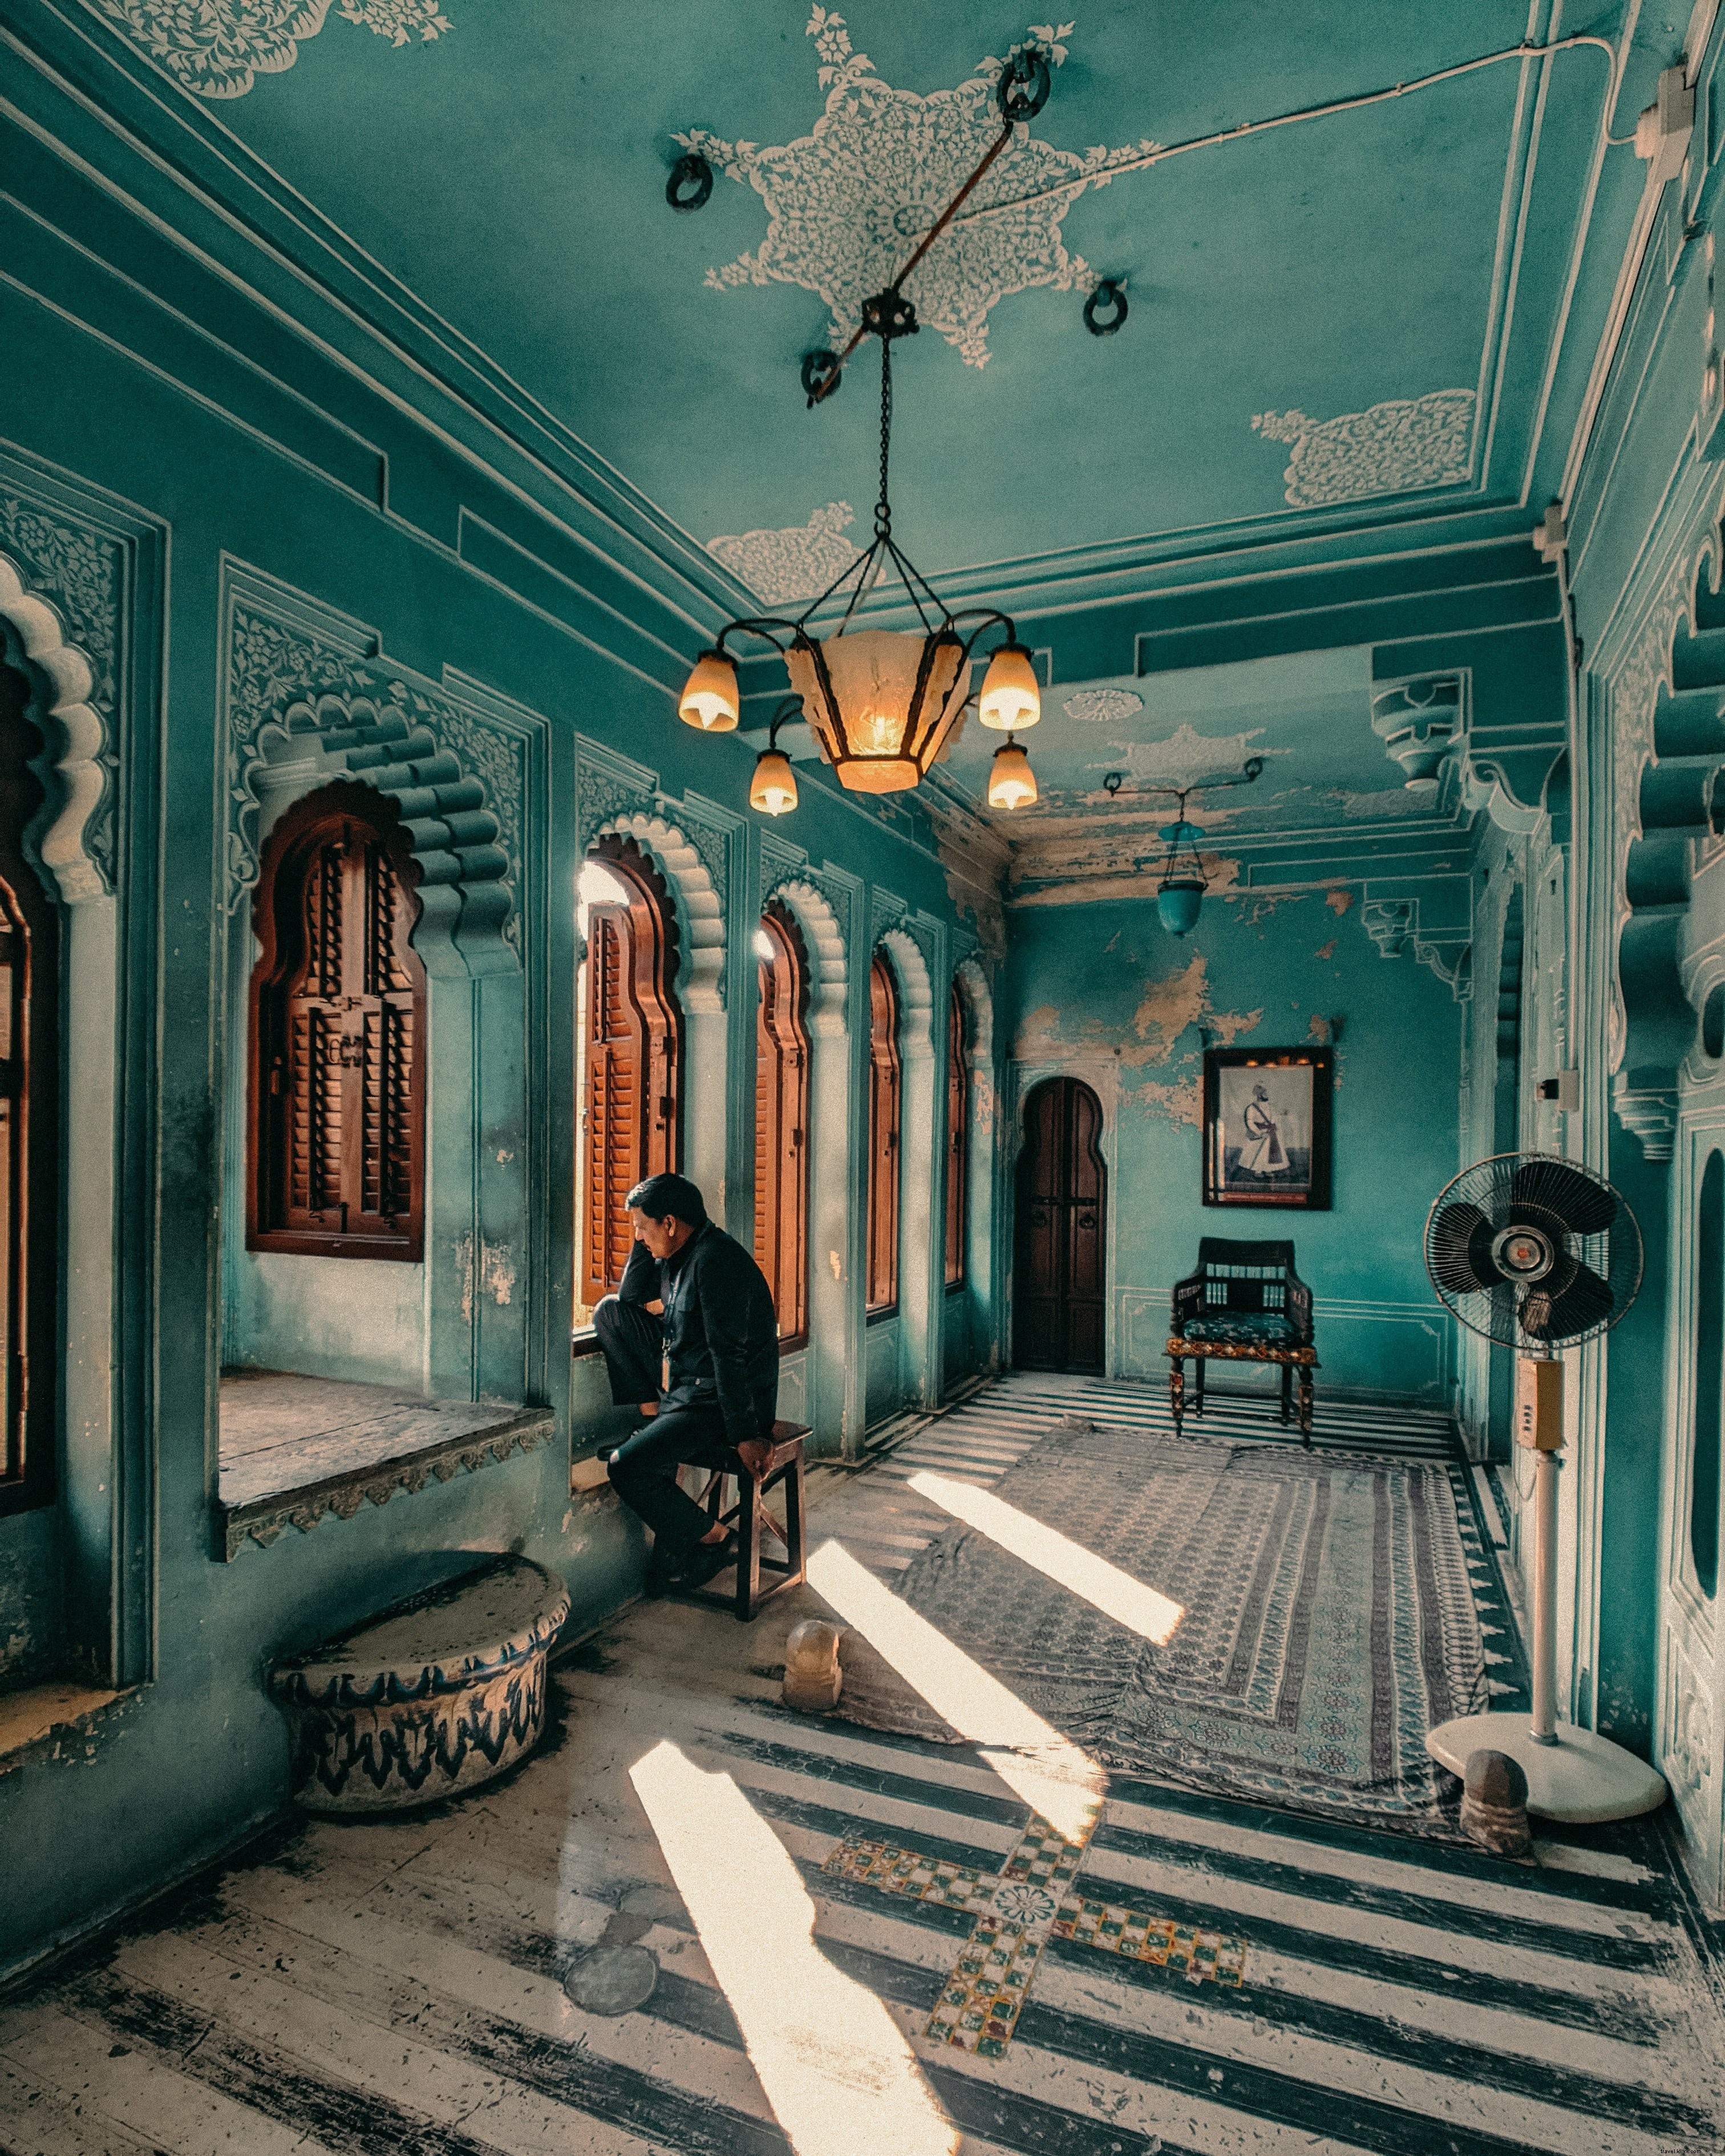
(1573, 1774)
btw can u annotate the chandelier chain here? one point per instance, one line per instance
(883, 507)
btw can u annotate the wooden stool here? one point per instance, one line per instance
(784, 1466)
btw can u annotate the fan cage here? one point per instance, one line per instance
(1595, 1265)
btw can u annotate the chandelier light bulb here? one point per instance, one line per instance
(773, 789)
(710, 699)
(1012, 697)
(1012, 784)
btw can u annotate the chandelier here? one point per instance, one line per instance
(884, 705)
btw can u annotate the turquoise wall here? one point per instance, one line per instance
(1103, 991)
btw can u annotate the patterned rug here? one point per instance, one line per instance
(1329, 1619)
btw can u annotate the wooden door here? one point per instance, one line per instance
(1059, 1279)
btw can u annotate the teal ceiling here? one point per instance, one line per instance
(1331, 323)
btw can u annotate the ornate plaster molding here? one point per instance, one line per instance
(1401, 447)
(701, 988)
(217, 48)
(916, 994)
(1394, 922)
(847, 201)
(265, 1519)
(826, 949)
(1420, 723)
(298, 694)
(62, 587)
(795, 562)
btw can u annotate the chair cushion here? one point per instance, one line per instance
(1266, 1327)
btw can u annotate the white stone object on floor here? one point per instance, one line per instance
(812, 1677)
(1582, 1777)
(1494, 1802)
(433, 1698)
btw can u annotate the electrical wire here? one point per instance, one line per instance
(1157, 154)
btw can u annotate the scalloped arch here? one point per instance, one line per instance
(915, 994)
(979, 1002)
(826, 943)
(701, 988)
(80, 736)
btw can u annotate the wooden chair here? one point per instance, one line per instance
(784, 1469)
(1244, 1304)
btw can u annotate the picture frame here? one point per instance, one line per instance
(1267, 1127)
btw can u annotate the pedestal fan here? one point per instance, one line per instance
(1538, 1254)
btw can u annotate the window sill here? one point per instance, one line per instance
(296, 1451)
(30, 1716)
(879, 1316)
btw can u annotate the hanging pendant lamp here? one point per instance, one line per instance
(774, 788)
(1179, 892)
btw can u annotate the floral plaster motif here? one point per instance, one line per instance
(1393, 449)
(1102, 706)
(1186, 758)
(796, 562)
(848, 202)
(220, 48)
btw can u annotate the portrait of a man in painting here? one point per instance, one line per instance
(1266, 1127)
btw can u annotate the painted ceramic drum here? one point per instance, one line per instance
(436, 1697)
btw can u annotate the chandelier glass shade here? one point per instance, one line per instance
(1180, 892)
(1012, 784)
(710, 699)
(1012, 696)
(774, 788)
(883, 704)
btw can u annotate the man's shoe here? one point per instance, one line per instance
(706, 1561)
(661, 1575)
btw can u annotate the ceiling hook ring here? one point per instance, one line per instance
(690, 184)
(1109, 293)
(822, 373)
(1025, 81)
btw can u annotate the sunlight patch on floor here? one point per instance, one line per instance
(1115, 1593)
(1057, 1780)
(835, 2069)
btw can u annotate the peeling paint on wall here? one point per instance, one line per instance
(489, 1269)
(1338, 901)
(1325, 950)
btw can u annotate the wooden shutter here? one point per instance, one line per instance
(884, 1091)
(633, 1057)
(336, 1136)
(782, 1123)
(957, 1142)
(29, 1125)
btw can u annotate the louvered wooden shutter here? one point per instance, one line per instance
(781, 1125)
(957, 1142)
(338, 1039)
(632, 1108)
(883, 1165)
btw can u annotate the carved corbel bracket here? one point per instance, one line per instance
(1431, 921)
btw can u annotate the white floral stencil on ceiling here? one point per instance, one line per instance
(1187, 758)
(1393, 801)
(1102, 706)
(796, 562)
(848, 202)
(219, 48)
(1393, 449)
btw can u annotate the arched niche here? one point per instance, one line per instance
(825, 939)
(970, 1341)
(916, 1324)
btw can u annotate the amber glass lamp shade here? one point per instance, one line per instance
(774, 788)
(1012, 784)
(709, 700)
(884, 704)
(1012, 697)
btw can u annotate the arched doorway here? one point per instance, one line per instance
(1059, 1278)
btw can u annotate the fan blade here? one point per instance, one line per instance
(1584, 1206)
(1461, 1251)
(1576, 1307)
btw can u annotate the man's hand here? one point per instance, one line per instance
(754, 1454)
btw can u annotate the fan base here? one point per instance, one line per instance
(1581, 1779)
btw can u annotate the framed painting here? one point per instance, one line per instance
(1266, 1127)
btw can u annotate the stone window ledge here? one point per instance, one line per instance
(296, 1451)
(29, 1718)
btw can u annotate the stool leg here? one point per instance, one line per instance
(1287, 1393)
(1177, 1390)
(1305, 1408)
(1198, 1366)
(748, 1547)
(795, 1527)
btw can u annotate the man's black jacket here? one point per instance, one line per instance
(721, 1330)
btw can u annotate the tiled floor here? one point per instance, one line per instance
(398, 1987)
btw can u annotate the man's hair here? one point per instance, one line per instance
(662, 1195)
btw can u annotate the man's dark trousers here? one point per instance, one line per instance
(644, 1468)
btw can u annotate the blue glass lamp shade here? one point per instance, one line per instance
(1177, 903)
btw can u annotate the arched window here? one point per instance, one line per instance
(957, 1142)
(336, 1137)
(29, 1137)
(782, 1121)
(631, 1052)
(885, 1091)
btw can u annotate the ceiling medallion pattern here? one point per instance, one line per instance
(847, 202)
(1103, 706)
(794, 562)
(219, 48)
(1395, 448)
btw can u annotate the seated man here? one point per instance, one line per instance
(692, 1339)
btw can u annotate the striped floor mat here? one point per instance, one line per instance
(399, 1986)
